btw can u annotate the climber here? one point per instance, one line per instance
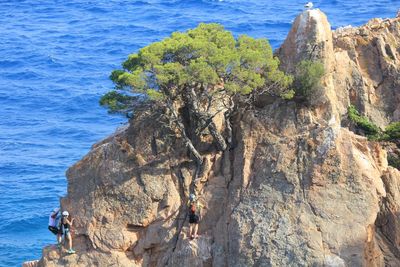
(53, 220)
(194, 218)
(65, 229)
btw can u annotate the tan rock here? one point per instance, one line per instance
(30, 263)
(297, 189)
(370, 69)
(309, 38)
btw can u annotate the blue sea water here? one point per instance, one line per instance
(55, 58)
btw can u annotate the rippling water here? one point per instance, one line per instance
(55, 58)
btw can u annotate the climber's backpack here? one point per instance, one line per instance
(57, 220)
(192, 208)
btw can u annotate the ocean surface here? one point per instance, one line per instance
(55, 59)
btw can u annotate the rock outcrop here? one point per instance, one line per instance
(296, 189)
(367, 68)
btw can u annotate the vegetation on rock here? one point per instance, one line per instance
(394, 161)
(204, 71)
(392, 134)
(308, 76)
(369, 128)
(392, 131)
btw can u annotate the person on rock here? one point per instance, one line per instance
(65, 230)
(53, 221)
(194, 217)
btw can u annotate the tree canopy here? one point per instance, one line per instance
(206, 70)
(207, 56)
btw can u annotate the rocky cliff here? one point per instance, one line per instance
(297, 189)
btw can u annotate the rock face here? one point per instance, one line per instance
(297, 188)
(309, 38)
(367, 68)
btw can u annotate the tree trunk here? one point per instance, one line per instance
(228, 115)
(186, 139)
(218, 138)
(204, 118)
(228, 127)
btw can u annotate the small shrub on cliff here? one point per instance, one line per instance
(204, 70)
(394, 161)
(392, 131)
(363, 123)
(308, 76)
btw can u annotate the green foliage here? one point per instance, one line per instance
(362, 122)
(394, 161)
(116, 102)
(154, 95)
(392, 131)
(288, 95)
(372, 131)
(308, 75)
(206, 56)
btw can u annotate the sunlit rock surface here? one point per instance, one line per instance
(297, 189)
